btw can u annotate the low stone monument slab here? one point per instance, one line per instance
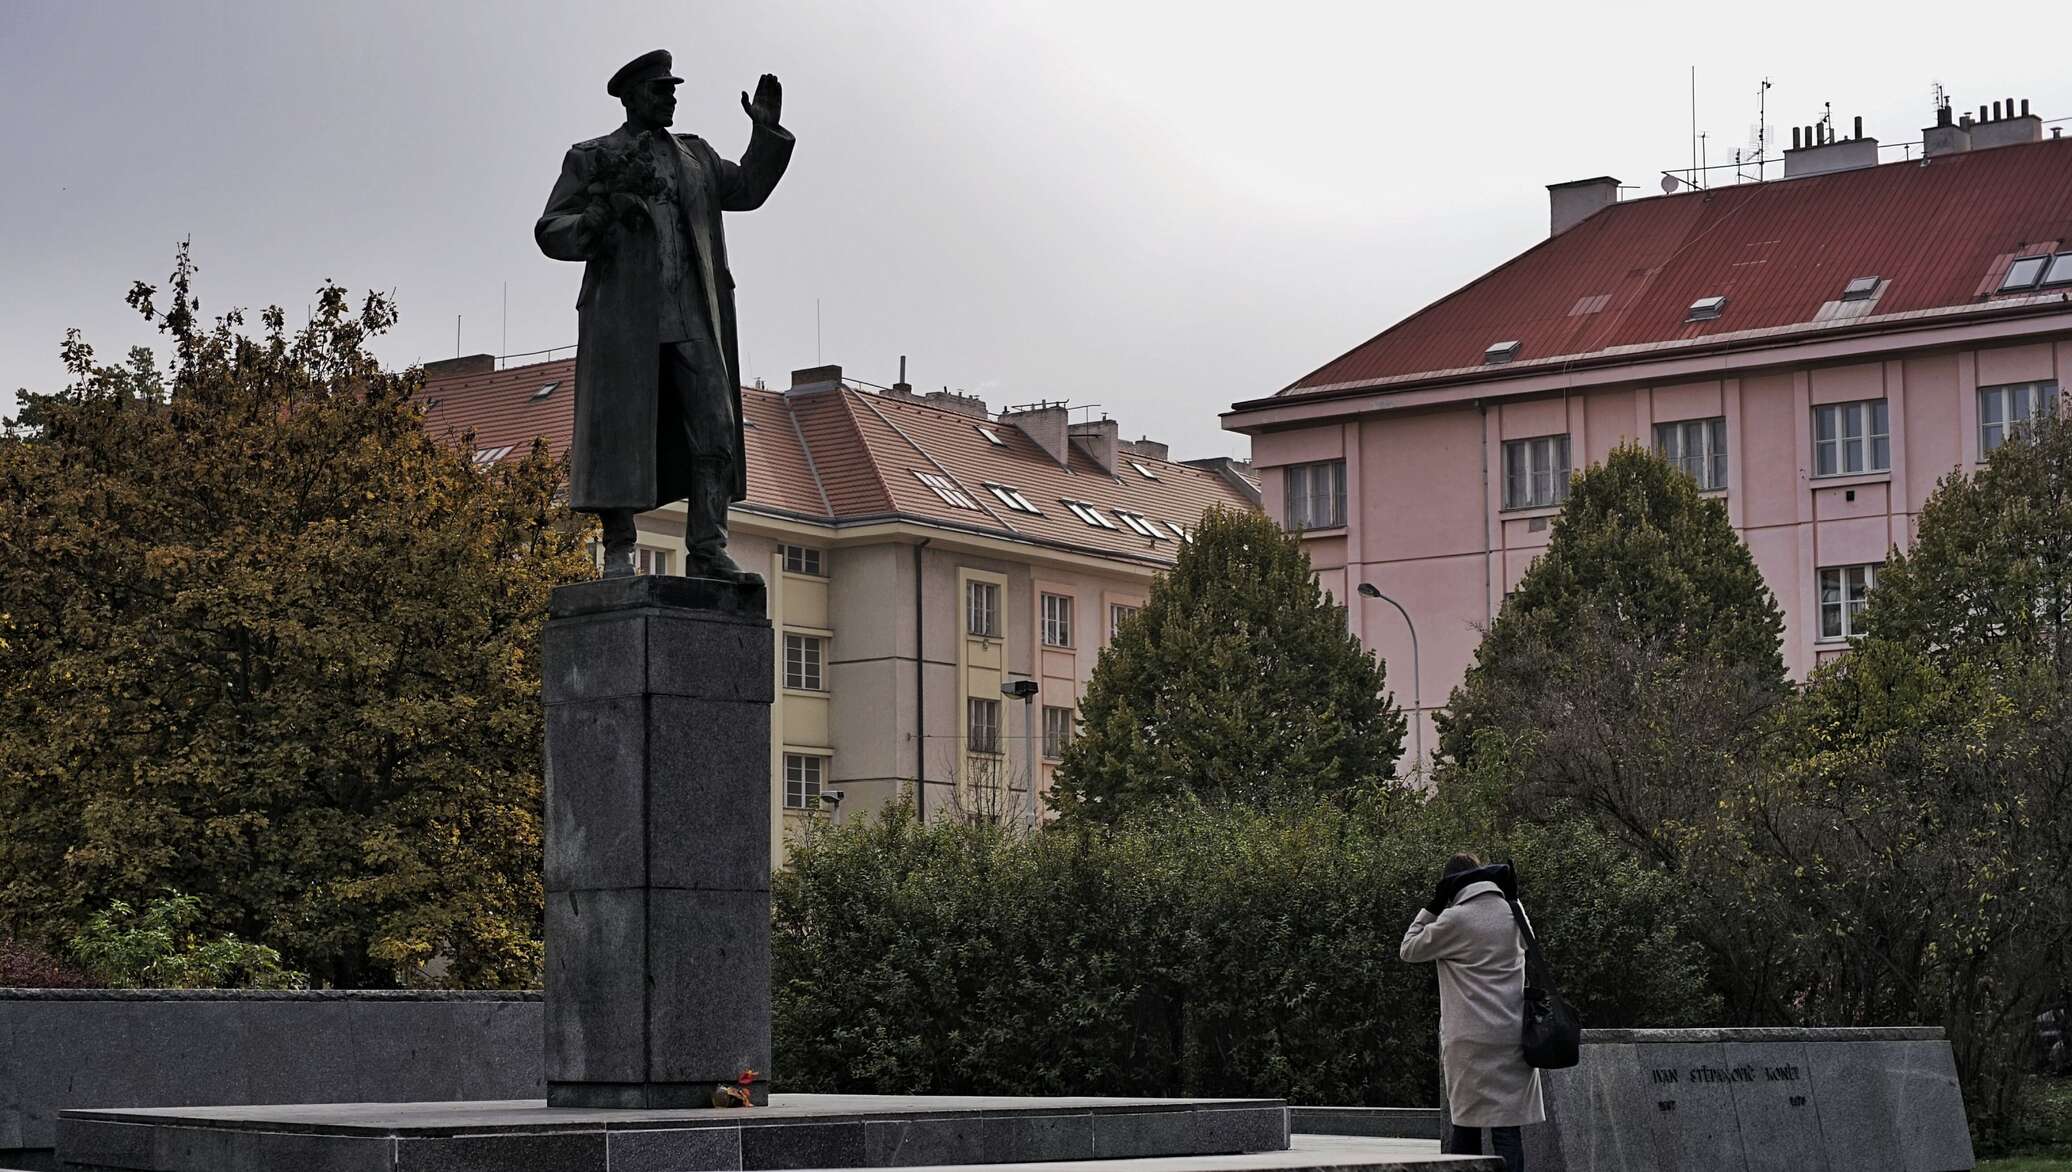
(794, 1131)
(1755, 1100)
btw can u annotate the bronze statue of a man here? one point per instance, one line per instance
(658, 378)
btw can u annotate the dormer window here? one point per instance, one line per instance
(1860, 289)
(1501, 353)
(1706, 308)
(2023, 273)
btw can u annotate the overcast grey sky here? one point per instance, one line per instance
(1159, 208)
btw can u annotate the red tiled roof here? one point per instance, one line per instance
(846, 454)
(1940, 231)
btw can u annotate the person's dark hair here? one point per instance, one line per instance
(1463, 861)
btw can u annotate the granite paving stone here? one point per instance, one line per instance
(1041, 1137)
(803, 1145)
(111, 1145)
(561, 1151)
(1239, 1129)
(906, 1143)
(1141, 1133)
(676, 1149)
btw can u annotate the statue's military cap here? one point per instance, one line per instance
(651, 66)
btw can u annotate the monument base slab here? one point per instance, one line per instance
(794, 1131)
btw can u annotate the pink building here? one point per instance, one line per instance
(1816, 350)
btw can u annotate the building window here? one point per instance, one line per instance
(803, 773)
(1141, 524)
(1087, 513)
(803, 655)
(1057, 731)
(1117, 612)
(1843, 590)
(1850, 438)
(650, 561)
(800, 559)
(1012, 497)
(2005, 410)
(1316, 494)
(945, 488)
(1698, 447)
(1057, 620)
(1535, 472)
(983, 730)
(982, 609)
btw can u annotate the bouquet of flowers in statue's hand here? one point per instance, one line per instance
(628, 172)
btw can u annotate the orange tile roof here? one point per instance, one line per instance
(845, 455)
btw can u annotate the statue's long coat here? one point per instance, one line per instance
(622, 458)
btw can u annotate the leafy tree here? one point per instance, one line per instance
(269, 643)
(1632, 671)
(1238, 682)
(157, 948)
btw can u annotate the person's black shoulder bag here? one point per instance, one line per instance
(1553, 1034)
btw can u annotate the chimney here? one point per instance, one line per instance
(958, 401)
(1573, 202)
(1097, 438)
(1946, 137)
(1046, 424)
(1149, 449)
(902, 387)
(450, 367)
(815, 379)
(2006, 127)
(1818, 152)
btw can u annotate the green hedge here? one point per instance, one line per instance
(1194, 952)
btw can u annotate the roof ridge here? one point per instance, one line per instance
(806, 450)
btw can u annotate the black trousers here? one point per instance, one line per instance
(1503, 1141)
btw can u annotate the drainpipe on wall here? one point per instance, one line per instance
(1482, 411)
(920, 697)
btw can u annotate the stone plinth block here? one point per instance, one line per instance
(658, 694)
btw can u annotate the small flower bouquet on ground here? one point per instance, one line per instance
(736, 1095)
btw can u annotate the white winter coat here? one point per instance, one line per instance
(1481, 960)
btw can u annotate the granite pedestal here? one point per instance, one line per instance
(658, 695)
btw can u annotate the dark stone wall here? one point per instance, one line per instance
(64, 1048)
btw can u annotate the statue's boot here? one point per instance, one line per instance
(620, 538)
(705, 524)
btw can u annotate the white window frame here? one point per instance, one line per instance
(1180, 531)
(1314, 494)
(1057, 731)
(945, 488)
(1141, 524)
(1087, 513)
(1861, 429)
(982, 608)
(1704, 460)
(1117, 612)
(805, 662)
(804, 775)
(2012, 405)
(1012, 498)
(1057, 620)
(649, 560)
(1143, 470)
(806, 560)
(1852, 586)
(1538, 477)
(982, 724)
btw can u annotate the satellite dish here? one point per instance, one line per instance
(1669, 184)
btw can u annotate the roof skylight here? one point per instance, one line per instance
(946, 489)
(1180, 531)
(1143, 525)
(1860, 289)
(2023, 273)
(1706, 308)
(1143, 470)
(1013, 498)
(543, 392)
(1087, 513)
(992, 437)
(2060, 270)
(1501, 352)
(485, 456)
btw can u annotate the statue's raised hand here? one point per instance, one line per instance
(768, 102)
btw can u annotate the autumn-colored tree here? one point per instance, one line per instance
(264, 641)
(1238, 682)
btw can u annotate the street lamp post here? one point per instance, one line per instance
(1367, 590)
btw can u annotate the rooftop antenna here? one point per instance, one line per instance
(1694, 126)
(1704, 156)
(1762, 127)
(816, 331)
(507, 317)
(456, 335)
